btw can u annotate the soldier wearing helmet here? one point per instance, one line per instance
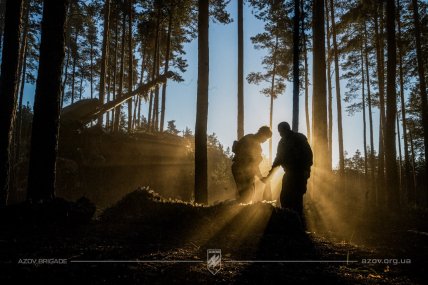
(248, 156)
(295, 156)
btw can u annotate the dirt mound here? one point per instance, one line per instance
(146, 207)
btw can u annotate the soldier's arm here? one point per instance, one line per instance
(258, 158)
(279, 155)
(278, 159)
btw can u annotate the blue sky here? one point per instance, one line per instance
(222, 120)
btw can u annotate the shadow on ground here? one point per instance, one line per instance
(257, 243)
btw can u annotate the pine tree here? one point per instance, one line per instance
(8, 87)
(44, 139)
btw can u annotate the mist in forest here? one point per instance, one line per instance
(186, 141)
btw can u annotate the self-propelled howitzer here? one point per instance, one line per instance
(79, 114)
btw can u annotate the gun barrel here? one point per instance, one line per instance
(124, 97)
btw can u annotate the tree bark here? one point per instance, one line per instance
(167, 56)
(422, 85)
(91, 71)
(151, 118)
(8, 86)
(67, 63)
(104, 56)
(272, 95)
(23, 40)
(149, 115)
(409, 187)
(156, 98)
(2, 13)
(412, 148)
(117, 110)
(240, 69)
(369, 103)
(64, 81)
(20, 102)
(130, 64)
(319, 98)
(44, 139)
(296, 78)
(109, 83)
(81, 88)
(380, 73)
(23, 70)
(143, 69)
(305, 52)
(201, 159)
(363, 102)
(73, 75)
(400, 161)
(392, 182)
(116, 47)
(338, 95)
(329, 90)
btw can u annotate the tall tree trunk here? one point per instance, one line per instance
(68, 51)
(91, 71)
(272, 95)
(138, 123)
(151, 118)
(380, 73)
(422, 85)
(20, 100)
(338, 95)
(109, 83)
(201, 159)
(400, 161)
(149, 115)
(8, 86)
(64, 81)
(23, 40)
(73, 74)
(117, 110)
(130, 64)
(271, 121)
(104, 57)
(407, 177)
(167, 55)
(305, 52)
(392, 182)
(2, 13)
(240, 69)
(23, 70)
(44, 139)
(81, 88)
(267, 192)
(134, 113)
(116, 47)
(296, 78)
(329, 90)
(369, 103)
(412, 148)
(143, 68)
(156, 99)
(363, 102)
(319, 96)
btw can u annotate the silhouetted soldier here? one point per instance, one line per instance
(248, 156)
(295, 156)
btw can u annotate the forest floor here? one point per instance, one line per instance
(145, 239)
